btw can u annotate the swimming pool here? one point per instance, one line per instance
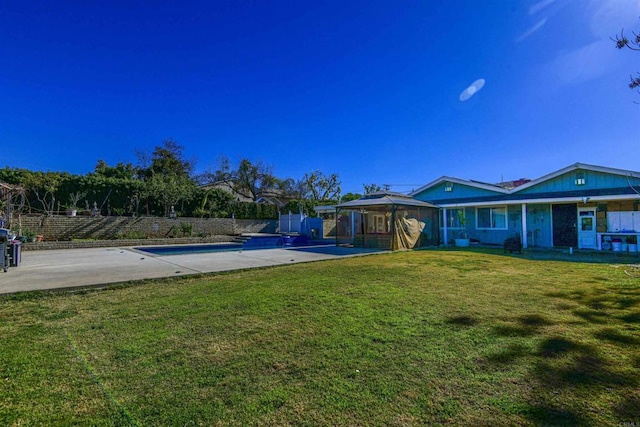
(255, 243)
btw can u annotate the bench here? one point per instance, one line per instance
(513, 244)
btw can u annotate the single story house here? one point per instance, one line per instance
(582, 206)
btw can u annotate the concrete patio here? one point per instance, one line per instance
(74, 268)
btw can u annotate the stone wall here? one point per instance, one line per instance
(329, 228)
(62, 228)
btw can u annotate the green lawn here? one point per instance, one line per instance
(412, 338)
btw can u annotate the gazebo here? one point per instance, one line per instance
(386, 220)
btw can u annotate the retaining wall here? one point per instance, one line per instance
(329, 228)
(62, 228)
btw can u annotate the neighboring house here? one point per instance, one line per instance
(269, 197)
(228, 187)
(582, 206)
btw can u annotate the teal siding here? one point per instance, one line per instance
(460, 191)
(539, 233)
(539, 225)
(496, 237)
(566, 182)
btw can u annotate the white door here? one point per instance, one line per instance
(586, 228)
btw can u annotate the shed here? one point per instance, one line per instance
(387, 220)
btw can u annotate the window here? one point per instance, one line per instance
(448, 187)
(492, 218)
(580, 178)
(455, 218)
(378, 224)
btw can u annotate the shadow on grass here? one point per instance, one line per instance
(551, 416)
(523, 326)
(615, 337)
(462, 321)
(570, 366)
(628, 411)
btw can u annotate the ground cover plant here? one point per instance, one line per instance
(412, 338)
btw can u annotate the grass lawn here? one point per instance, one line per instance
(409, 338)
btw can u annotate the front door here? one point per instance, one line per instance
(564, 217)
(587, 228)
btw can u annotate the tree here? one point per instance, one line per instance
(373, 188)
(167, 175)
(170, 189)
(622, 42)
(289, 188)
(214, 202)
(351, 196)
(45, 185)
(317, 186)
(167, 160)
(250, 180)
(121, 170)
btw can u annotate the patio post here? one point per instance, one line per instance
(445, 236)
(524, 226)
(393, 227)
(353, 226)
(337, 228)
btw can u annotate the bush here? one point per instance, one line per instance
(186, 229)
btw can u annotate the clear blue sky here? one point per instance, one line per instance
(366, 89)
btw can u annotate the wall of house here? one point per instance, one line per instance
(495, 237)
(567, 183)
(83, 227)
(618, 206)
(539, 227)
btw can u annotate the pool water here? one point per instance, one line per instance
(261, 242)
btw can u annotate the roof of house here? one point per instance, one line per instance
(507, 189)
(325, 209)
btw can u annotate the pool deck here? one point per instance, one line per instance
(76, 268)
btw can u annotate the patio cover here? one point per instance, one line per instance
(406, 231)
(385, 198)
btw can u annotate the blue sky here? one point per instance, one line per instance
(370, 90)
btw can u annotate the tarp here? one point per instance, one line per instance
(407, 233)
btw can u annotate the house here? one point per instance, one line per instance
(386, 220)
(582, 206)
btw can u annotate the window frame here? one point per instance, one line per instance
(505, 214)
(378, 223)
